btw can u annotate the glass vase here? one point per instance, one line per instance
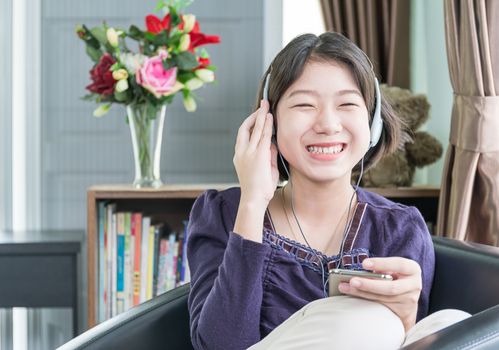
(146, 128)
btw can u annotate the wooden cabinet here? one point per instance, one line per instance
(172, 204)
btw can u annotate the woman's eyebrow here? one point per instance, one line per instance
(315, 93)
(306, 92)
(346, 92)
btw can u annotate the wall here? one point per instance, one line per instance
(79, 150)
(430, 75)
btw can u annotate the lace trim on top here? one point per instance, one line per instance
(309, 257)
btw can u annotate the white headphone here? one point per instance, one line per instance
(376, 125)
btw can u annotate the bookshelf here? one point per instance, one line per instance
(172, 204)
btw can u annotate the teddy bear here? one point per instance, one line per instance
(416, 148)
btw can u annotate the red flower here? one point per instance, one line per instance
(102, 77)
(203, 63)
(198, 38)
(155, 25)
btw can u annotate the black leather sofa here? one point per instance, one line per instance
(466, 278)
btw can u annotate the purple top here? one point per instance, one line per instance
(241, 290)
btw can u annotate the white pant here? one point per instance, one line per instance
(344, 322)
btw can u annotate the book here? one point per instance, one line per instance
(163, 265)
(128, 268)
(120, 262)
(101, 214)
(146, 223)
(110, 247)
(150, 262)
(137, 239)
(137, 260)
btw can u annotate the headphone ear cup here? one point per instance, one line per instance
(377, 123)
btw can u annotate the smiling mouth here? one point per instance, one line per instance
(326, 150)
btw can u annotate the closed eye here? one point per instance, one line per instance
(348, 104)
(306, 105)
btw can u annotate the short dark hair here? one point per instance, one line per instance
(290, 62)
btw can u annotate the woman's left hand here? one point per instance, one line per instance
(400, 295)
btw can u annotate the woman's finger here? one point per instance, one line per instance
(256, 133)
(244, 131)
(266, 138)
(349, 290)
(391, 288)
(398, 265)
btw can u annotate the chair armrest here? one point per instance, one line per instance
(465, 276)
(160, 323)
(480, 331)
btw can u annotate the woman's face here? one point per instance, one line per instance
(323, 124)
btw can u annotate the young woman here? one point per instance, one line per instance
(260, 254)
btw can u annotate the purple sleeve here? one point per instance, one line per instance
(412, 240)
(226, 278)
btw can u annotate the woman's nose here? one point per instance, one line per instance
(328, 122)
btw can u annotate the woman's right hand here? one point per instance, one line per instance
(255, 158)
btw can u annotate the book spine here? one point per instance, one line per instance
(163, 251)
(184, 271)
(110, 244)
(150, 262)
(137, 233)
(157, 233)
(114, 263)
(127, 274)
(101, 214)
(180, 250)
(146, 223)
(173, 280)
(120, 261)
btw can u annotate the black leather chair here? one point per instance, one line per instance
(466, 278)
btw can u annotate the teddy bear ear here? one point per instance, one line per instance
(425, 149)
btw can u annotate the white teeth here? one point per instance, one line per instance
(325, 150)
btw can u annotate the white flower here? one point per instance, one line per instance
(120, 74)
(189, 103)
(189, 21)
(102, 110)
(178, 85)
(132, 61)
(112, 37)
(205, 75)
(194, 84)
(121, 85)
(185, 42)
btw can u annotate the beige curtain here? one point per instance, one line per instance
(380, 28)
(469, 198)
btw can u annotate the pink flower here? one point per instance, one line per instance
(155, 78)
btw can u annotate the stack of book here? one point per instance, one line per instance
(138, 259)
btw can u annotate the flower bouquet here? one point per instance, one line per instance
(165, 60)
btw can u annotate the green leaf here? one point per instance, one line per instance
(167, 64)
(203, 53)
(90, 39)
(175, 17)
(159, 5)
(100, 34)
(186, 61)
(161, 39)
(88, 97)
(120, 96)
(184, 77)
(135, 33)
(93, 53)
(149, 36)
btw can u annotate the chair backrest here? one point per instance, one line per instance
(466, 276)
(160, 323)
